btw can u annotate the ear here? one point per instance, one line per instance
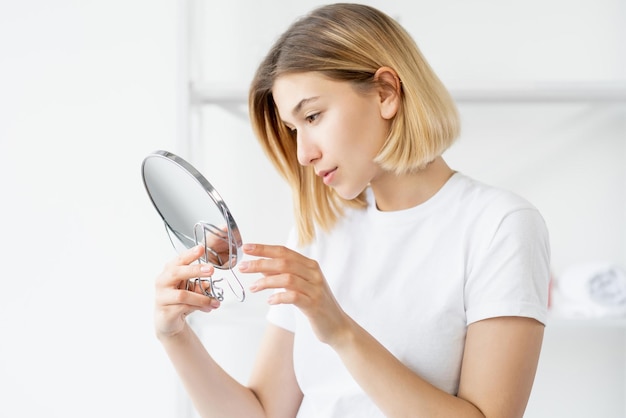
(389, 91)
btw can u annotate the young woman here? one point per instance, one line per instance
(407, 289)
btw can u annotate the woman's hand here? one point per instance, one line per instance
(172, 301)
(304, 285)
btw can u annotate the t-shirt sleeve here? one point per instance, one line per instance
(282, 316)
(511, 273)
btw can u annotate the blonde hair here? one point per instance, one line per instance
(350, 42)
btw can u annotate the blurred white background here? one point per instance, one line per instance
(87, 89)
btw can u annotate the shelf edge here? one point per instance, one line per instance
(220, 94)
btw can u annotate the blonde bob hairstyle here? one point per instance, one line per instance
(350, 42)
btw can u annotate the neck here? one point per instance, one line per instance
(397, 192)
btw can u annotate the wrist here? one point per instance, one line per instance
(347, 336)
(173, 335)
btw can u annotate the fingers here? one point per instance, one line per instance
(269, 251)
(284, 281)
(289, 297)
(188, 256)
(276, 259)
(186, 301)
(176, 296)
(283, 268)
(181, 268)
(302, 284)
(174, 286)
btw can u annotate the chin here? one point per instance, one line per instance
(349, 194)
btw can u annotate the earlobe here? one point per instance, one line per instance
(389, 91)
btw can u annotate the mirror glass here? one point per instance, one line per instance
(194, 213)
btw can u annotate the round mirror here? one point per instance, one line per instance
(194, 213)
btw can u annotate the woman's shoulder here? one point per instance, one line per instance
(485, 208)
(481, 196)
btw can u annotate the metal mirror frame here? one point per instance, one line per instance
(209, 285)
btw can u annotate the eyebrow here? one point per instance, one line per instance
(302, 102)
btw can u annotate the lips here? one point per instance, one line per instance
(324, 173)
(327, 175)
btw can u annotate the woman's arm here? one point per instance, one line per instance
(213, 392)
(273, 379)
(499, 363)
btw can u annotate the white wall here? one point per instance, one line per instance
(86, 90)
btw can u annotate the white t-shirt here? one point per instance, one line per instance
(415, 279)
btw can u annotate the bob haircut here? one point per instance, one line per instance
(350, 42)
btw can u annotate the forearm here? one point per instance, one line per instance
(213, 392)
(395, 389)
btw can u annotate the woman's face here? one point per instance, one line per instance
(338, 130)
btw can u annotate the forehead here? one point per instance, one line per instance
(291, 89)
(290, 81)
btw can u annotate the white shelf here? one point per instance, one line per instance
(231, 95)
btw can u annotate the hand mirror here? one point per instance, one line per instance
(194, 213)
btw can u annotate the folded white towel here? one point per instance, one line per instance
(590, 290)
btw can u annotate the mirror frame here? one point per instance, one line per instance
(234, 237)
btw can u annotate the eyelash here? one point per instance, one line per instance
(310, 119)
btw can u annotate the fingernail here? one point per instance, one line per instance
(205, 268)
(215, 303)
(249, 247)
(243, 266)
(253, 287)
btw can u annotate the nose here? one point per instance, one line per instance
(308, 151)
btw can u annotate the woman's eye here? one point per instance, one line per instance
(312, 118)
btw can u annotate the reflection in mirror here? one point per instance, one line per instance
(194, 213)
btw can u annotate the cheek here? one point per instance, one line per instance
(371, 137)
(371, 127)
(363, 130)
